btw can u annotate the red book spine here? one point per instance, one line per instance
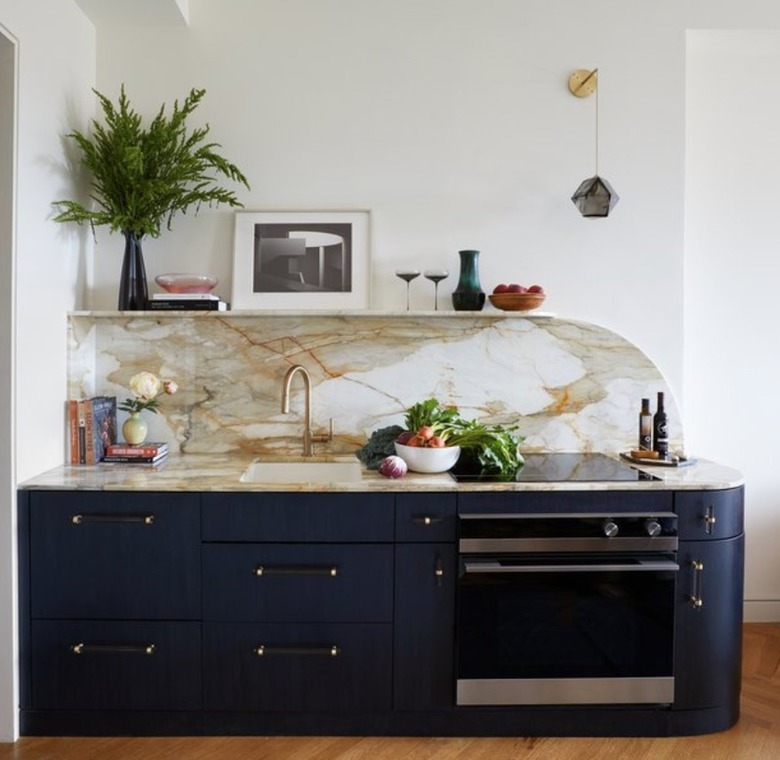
(119, 450)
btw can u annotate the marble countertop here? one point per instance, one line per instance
(222, 472)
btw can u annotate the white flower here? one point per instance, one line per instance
(170, 387)
(146, 385)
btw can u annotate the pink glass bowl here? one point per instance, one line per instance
(186, 283)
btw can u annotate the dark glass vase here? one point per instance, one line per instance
(468, 294)
(133, 292)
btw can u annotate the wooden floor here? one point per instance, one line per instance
(755, 737)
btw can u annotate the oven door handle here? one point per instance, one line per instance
(642, 566)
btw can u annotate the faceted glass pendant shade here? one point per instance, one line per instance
(595, 197)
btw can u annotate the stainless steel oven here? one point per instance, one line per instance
(566, 608)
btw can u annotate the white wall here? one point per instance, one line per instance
(732, 276)
(452, 121)
(56, 68)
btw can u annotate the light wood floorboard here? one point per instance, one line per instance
(755, 737)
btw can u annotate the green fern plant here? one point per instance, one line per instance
(141, 177)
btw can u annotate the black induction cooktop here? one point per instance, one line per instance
(561, 467)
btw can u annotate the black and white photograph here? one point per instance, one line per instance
(301, 260)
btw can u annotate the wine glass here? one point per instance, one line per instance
(436, 276)
(407, 275)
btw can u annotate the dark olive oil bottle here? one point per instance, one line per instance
(645, 426)
(661, 429)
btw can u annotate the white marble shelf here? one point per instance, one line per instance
(363, 313)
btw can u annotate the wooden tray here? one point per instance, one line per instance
(656, 462)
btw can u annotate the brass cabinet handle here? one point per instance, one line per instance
(438, 571)
(696, 600)
(263, 650)
(97, 518)
(328, 570)
(82, 648)
(426, 520)
(710, 519)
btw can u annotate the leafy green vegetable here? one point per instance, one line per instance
(379, 446)
(430, 413)
(488, 448)
(494, 446)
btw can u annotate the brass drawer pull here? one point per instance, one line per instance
(262, 570)
(696, 600)
(140, 519)
(438, 571)
(82, 648)
(427, 520)
(710, 519)
(262, 650)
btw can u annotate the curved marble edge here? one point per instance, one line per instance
(201, 472)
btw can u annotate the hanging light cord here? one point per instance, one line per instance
(595, 73)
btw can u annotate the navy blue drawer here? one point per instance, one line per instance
(115, 665)
(291, 516)
(320, 667)
(706, 515)
(425, 517)
(115, 555)
(298, 582)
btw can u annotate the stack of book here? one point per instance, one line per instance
(187, 302)
(143, 453)
(91, 427)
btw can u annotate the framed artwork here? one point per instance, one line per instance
(301, 260)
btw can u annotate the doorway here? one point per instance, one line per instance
(8, 680)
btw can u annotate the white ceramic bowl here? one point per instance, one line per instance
(423, 459)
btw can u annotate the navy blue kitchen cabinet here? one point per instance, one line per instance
(120, 665)
(708, 635)
(298, 583)
(322, 613)
(309, 667)
(111, 601)
(298, 517)
(425, 577)
(298, 602)
(121, 556)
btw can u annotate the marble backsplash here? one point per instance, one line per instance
(568, 385)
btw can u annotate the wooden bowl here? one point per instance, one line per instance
(517, 301)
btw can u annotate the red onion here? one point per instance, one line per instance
(393, 467)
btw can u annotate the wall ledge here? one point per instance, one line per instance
(354, 313)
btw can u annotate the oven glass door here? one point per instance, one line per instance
(566, 629)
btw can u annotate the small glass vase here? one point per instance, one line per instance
(134, 429)
(468, 294)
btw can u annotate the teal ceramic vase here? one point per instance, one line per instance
(468, 294)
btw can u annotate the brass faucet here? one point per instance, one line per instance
(308, 437)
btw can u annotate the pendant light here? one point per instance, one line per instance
(595, 197)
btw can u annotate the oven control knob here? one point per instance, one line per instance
(610, 528)
(653, 528)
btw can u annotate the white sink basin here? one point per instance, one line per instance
(303, 472)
